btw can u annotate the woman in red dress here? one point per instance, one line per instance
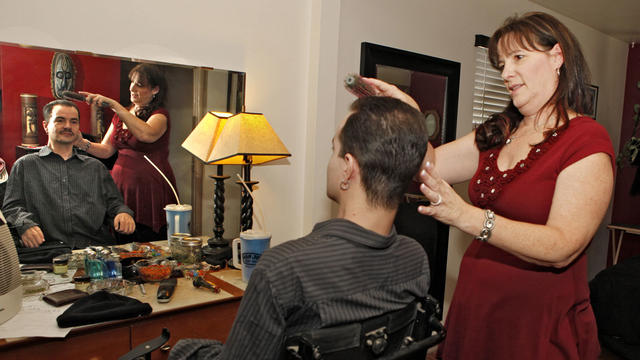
(140, 129)
(540, 181)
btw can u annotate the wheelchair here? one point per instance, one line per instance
(403, 334)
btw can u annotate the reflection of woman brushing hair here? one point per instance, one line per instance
(141, 129)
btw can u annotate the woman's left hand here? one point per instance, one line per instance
(446, 205)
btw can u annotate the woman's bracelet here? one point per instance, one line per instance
(86, 148)
(487, 226)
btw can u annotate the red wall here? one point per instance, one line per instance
(626, 208)
(28, 70)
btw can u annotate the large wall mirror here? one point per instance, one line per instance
(434, 84)
(193, 90)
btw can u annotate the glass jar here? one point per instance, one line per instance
(33, 283)
(174, 239)
(188, 250)
(82, 282)
(61, 264)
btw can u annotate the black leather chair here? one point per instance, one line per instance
(403, 334)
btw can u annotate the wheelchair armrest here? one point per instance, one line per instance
(145, 349)
(417, 346)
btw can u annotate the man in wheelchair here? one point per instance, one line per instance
(350, 268)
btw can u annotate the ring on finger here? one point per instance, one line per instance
(438, 202)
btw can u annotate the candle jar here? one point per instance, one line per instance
(82, 282)
(61, 264)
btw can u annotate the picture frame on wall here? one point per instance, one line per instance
(592, 91)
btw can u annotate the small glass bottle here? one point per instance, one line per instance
(93, 266)
(114, 266)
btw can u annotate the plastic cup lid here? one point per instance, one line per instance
(176, 207)
(255, 234)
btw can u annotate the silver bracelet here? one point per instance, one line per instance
(487, 226)
(86, 149)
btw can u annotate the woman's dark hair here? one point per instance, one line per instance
(388, 138)
(537, 31)
(150, 75)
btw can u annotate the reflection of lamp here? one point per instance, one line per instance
(200, 143)
(241, 139)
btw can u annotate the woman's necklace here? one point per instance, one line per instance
(511, 138)
(514, 136)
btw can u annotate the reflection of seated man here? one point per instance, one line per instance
(59, 195)
(349, 268)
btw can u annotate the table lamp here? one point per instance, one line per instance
(247, 139)
(200, 143)
(242, 139)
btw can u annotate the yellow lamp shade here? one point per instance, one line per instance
(204, 136)
(236, 140)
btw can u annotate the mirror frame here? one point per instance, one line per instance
(434, 236)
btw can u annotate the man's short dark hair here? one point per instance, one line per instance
(48, 109)
(389, 140)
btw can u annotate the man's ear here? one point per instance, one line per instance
(352, 168)
(155, 90)
(44, 125)
(558, 56)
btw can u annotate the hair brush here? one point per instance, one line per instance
(355, 85)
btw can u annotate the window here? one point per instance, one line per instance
(489, 93)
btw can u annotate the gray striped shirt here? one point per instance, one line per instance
(339, 273)
(72, 201)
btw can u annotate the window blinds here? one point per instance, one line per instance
(489, 93)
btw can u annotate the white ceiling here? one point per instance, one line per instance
(618, 18)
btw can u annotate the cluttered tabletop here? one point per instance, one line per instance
(140, 273)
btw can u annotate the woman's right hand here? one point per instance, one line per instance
(385, 89)
(99, 100)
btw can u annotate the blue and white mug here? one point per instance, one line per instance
(247, 250)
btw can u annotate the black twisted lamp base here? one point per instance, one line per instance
(218, 212)
(246, 201)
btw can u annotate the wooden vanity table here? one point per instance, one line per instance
(191, 313)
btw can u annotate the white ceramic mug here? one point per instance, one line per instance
(247, 250)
